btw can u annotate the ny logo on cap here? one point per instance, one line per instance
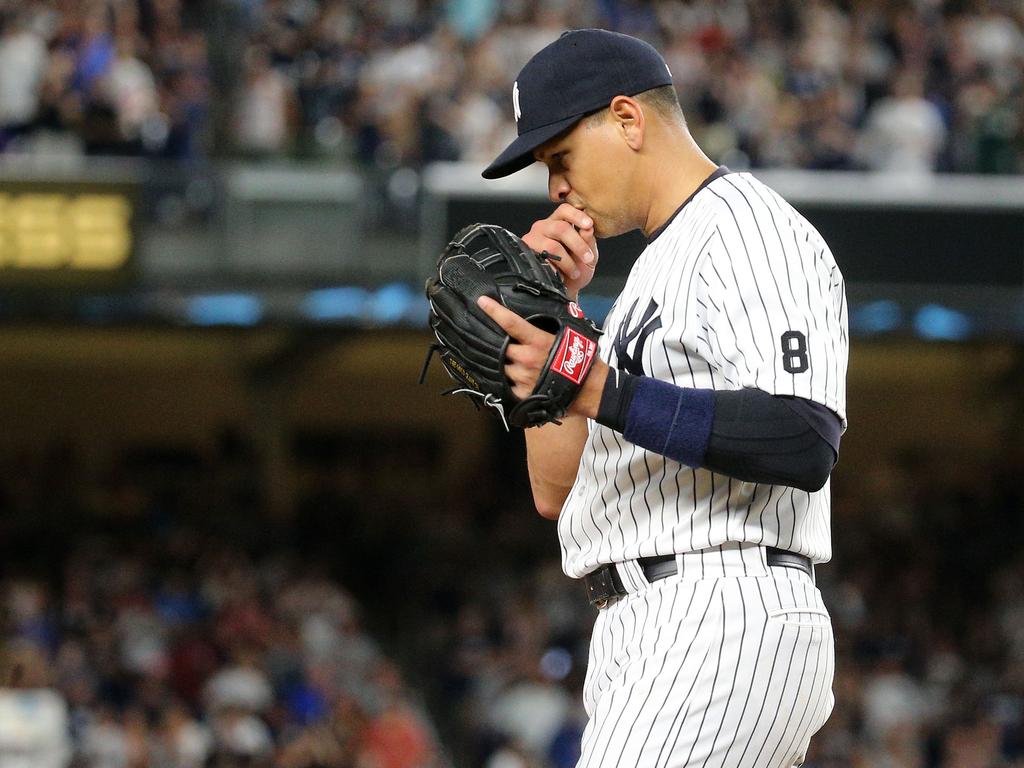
(515, 100)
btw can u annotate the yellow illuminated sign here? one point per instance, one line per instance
(59, 231)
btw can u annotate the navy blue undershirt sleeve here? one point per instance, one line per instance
(747, 434)
(821, 419)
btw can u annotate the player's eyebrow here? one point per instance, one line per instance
(541, 156)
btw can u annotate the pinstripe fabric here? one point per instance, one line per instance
(706, 305)
(728, 664)
(730, 671)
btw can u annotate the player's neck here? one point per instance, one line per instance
(675, 180)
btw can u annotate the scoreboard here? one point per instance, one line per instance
(74, 233)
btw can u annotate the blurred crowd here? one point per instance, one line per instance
(113, 77)
(908, 86)
(928, 604)
(131, 639)
(911, 86)
(152, 615)
(196, 655)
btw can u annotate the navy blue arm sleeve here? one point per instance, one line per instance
(747, 434)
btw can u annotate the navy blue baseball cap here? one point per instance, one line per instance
(577, 75)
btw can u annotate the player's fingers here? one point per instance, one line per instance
(562, 240)
(554, 248)
(539, 241)
(515, 353)
(573, 215)
(564, 263)
(523, 354)
(587, 233)
(515, 326)
(570, 237)
(584, 225)
(523, 379)
(567, 234)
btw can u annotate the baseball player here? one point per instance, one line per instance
(690, 477)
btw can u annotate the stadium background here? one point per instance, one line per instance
(234, 531)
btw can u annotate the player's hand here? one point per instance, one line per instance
(568, 233)
(526, 358)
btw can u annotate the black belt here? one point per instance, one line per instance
(604, 583)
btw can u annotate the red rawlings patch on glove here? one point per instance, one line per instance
(574, 357)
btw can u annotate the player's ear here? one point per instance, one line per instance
(629, 119)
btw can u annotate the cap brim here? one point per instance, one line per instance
(519, 153)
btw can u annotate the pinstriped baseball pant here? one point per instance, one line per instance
(729, 665)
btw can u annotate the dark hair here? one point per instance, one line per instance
(664, 100)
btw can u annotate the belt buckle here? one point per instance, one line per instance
(602, 587)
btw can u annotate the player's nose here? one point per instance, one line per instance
(558, 188)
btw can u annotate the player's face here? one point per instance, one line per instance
(590, 168)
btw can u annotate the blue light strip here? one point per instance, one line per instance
(403, 305)
(938, 323)
(242, 309)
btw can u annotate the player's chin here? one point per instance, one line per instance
(604, 228)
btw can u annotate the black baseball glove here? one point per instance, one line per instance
(486, 260)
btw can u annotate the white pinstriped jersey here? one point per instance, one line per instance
(737, 290)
